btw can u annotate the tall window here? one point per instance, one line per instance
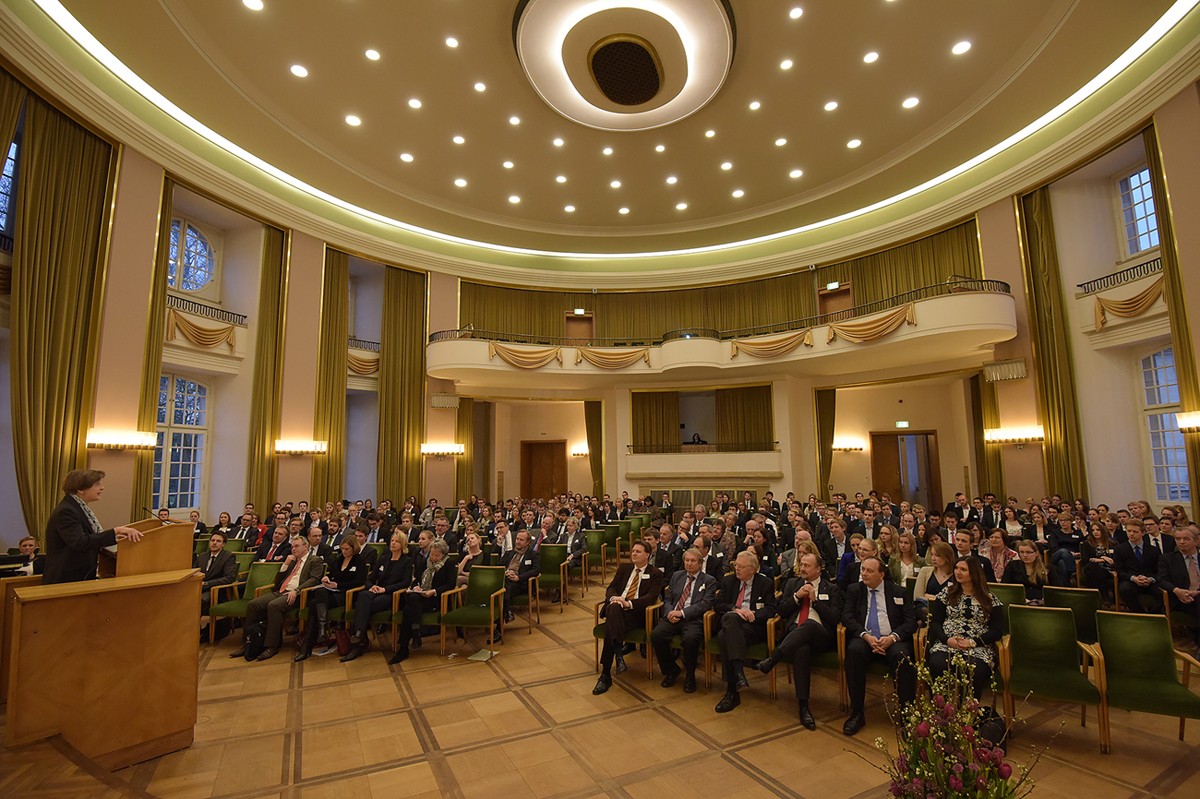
(193, 259)
(1160, 401)
(8, 190)
(1138, 213)
(183, 420)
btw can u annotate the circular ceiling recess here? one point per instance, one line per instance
(620, 65)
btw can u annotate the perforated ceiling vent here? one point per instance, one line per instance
(627, 71)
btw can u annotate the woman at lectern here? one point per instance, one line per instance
(74, 536)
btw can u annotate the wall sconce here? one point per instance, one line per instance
(1014, 435)
(579, 451)
(441, 450)
(300, 446)
(1189, 422)
(120, 439)
(848, 445)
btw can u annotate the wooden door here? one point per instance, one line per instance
(885, 464)
(579, 330)
(543, 469)
(906, 466)
(836, 301)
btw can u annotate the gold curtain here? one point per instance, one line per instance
(612, 359)
(401, 385)
(1062, 449)
(1177, 310)
(198, 334)
(985, 414)
(262, 467)
(329, 418)
(825, 403)
(924, 262)
(143, 460)
(655, 421)
(593, 422)
(464, 433)
(64, 199)
(1129, 307)
(525, 357)
(362, 365)
(12, 100)
(772, 347)
(745, 419)
(873, 327)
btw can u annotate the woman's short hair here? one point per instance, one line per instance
(352, 540)
(81, 479)
(400, 534)
(440, 545)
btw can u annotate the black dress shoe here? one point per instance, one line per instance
(670, 678)
(627, 649)
(602, 685)
(302, 655)
(806, 717)
(855, 723)
(509, 617)
(689, 684)
(728, 702)
(267, 654)
(621, 667)
(742, 682)
(354, 654)
(240, 653)
(765, 666)
(400, 656)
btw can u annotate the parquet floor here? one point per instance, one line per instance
(526, 725)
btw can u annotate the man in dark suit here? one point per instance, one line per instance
(220, 568)
(1136, 563)
(1179, 574)
(576, 541)
(880, 623)
(811, 608)
(866, 549)
(1161, 536)
(520, 565)
(300, 570)
(690, 593)
(712, 560)
(319, 547)
(666, 507)
(636, 586)
(745, 604)
(277, 549)
(962, 544)
(246, 531)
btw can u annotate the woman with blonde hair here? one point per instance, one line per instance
(906, 562)
(934, 577)
(887, 542)
(1028, 570)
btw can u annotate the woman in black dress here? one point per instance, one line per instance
(965, 622)
(344, 574)
(390, 575)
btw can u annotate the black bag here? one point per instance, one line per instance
(992, 728)
(256, 638)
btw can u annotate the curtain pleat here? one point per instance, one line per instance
(745, 419)
(401, 385)
(655, 421)
(825, 400)
(985, 414)
(464, 433)
(143, 460)
(925, 262)
(593, 422)
(262, 466)
(62, 213)
(1177, 310)
(1062, 449)
(329, 421)
(12, 100)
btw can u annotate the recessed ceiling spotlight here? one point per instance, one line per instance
(514, 199)
(507, 165)
(738, 193)
(755, 105)
(708, 134)
(458, 140)
(607, 151)
(961, 47)
(785, 63)
(570, 209)
(726, 166)
(795, 173)
(373, 55)
(460, 182)
(561, 179)
(854, 144)
(414, 103)
(514, 120)
(780, 141)
(871, 57)
(911, 102)
(622, 211)
(660, 148)
(831, 105)
(406, 158)
(558, 142)
(796, 12)
(481, 86)
(451, 41)
(680, 206)
(672, 180)
(353, 121)
(616, 184)
(253, 5)
(299, 71)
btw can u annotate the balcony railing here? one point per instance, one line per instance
(207, 311)
(688, 446)
(1136, 272)
(954, 286)
(363, 344)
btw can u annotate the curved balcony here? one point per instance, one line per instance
(931, 325)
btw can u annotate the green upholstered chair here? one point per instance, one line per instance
(635, 525)
(261, 578)
(199, 549)
(380, 547)
(610, 550)
(832, 660)
(754, 653)
(555, 574)
(1009, 594)
(530, 601)
(1084, 603)
(479, 603)
(595, 551)
(244, 559)
(1041, 657)
(636, 636)
(1136, 666)
(236, 545)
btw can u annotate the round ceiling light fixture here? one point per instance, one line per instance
(624, 65)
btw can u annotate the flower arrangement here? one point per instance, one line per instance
(940, 749)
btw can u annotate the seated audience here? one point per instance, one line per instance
(344, 573)
(423, 597)
(390, 575)
(965, 622)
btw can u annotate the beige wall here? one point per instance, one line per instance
(441, 424)
(538, 421)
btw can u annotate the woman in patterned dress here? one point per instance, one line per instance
(966, 620)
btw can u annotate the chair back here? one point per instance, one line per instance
(625, 527)
(482, 583)
(552, 556)
(1136, 646)
(486, 547)
(612, 532)
(594, 539)
(1083, 603)
(1042, 639)
(260, 574)
(200, 548)
(1008, 593)
(910, 588)
(236, 545)
(635, 524)
(244, 559)
(380, 547)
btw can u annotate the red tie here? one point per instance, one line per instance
(687, 589)
(802, 616)
(271, 554)
(741, 597)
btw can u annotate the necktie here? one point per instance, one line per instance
(1137, 552)
(271, 554)
(873, 614)
(1193, 574)
(687, 589)
(634, 585)
(741, 597)
(208, 568)
(1154, 542)
(802, 616)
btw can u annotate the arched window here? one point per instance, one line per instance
(193, 259)
(1160, 403)
(183, 424)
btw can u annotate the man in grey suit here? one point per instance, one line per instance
(302, 569)
(689, 595)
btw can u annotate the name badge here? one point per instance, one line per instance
(899, 600)
(823, 597)
(353, 568)
(529, 563)
(758, 606)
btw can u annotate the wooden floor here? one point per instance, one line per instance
(526, 725)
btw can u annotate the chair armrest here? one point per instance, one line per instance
(262, 589)
(709, 615)
(599, 605)
(496, 607)
(304, 596)
(350, 598)
(532, 587)
(396, 599)
(1188, 662)
(772, 625)
(214, 592)
(651, 612)
(562, 574)
(841, 642)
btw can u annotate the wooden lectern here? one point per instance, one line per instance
(111, 664)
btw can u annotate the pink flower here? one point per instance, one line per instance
(922, 730)
(1004, 770)
(955, 783)
(981, 781)
(957, 768)
(939, 701)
